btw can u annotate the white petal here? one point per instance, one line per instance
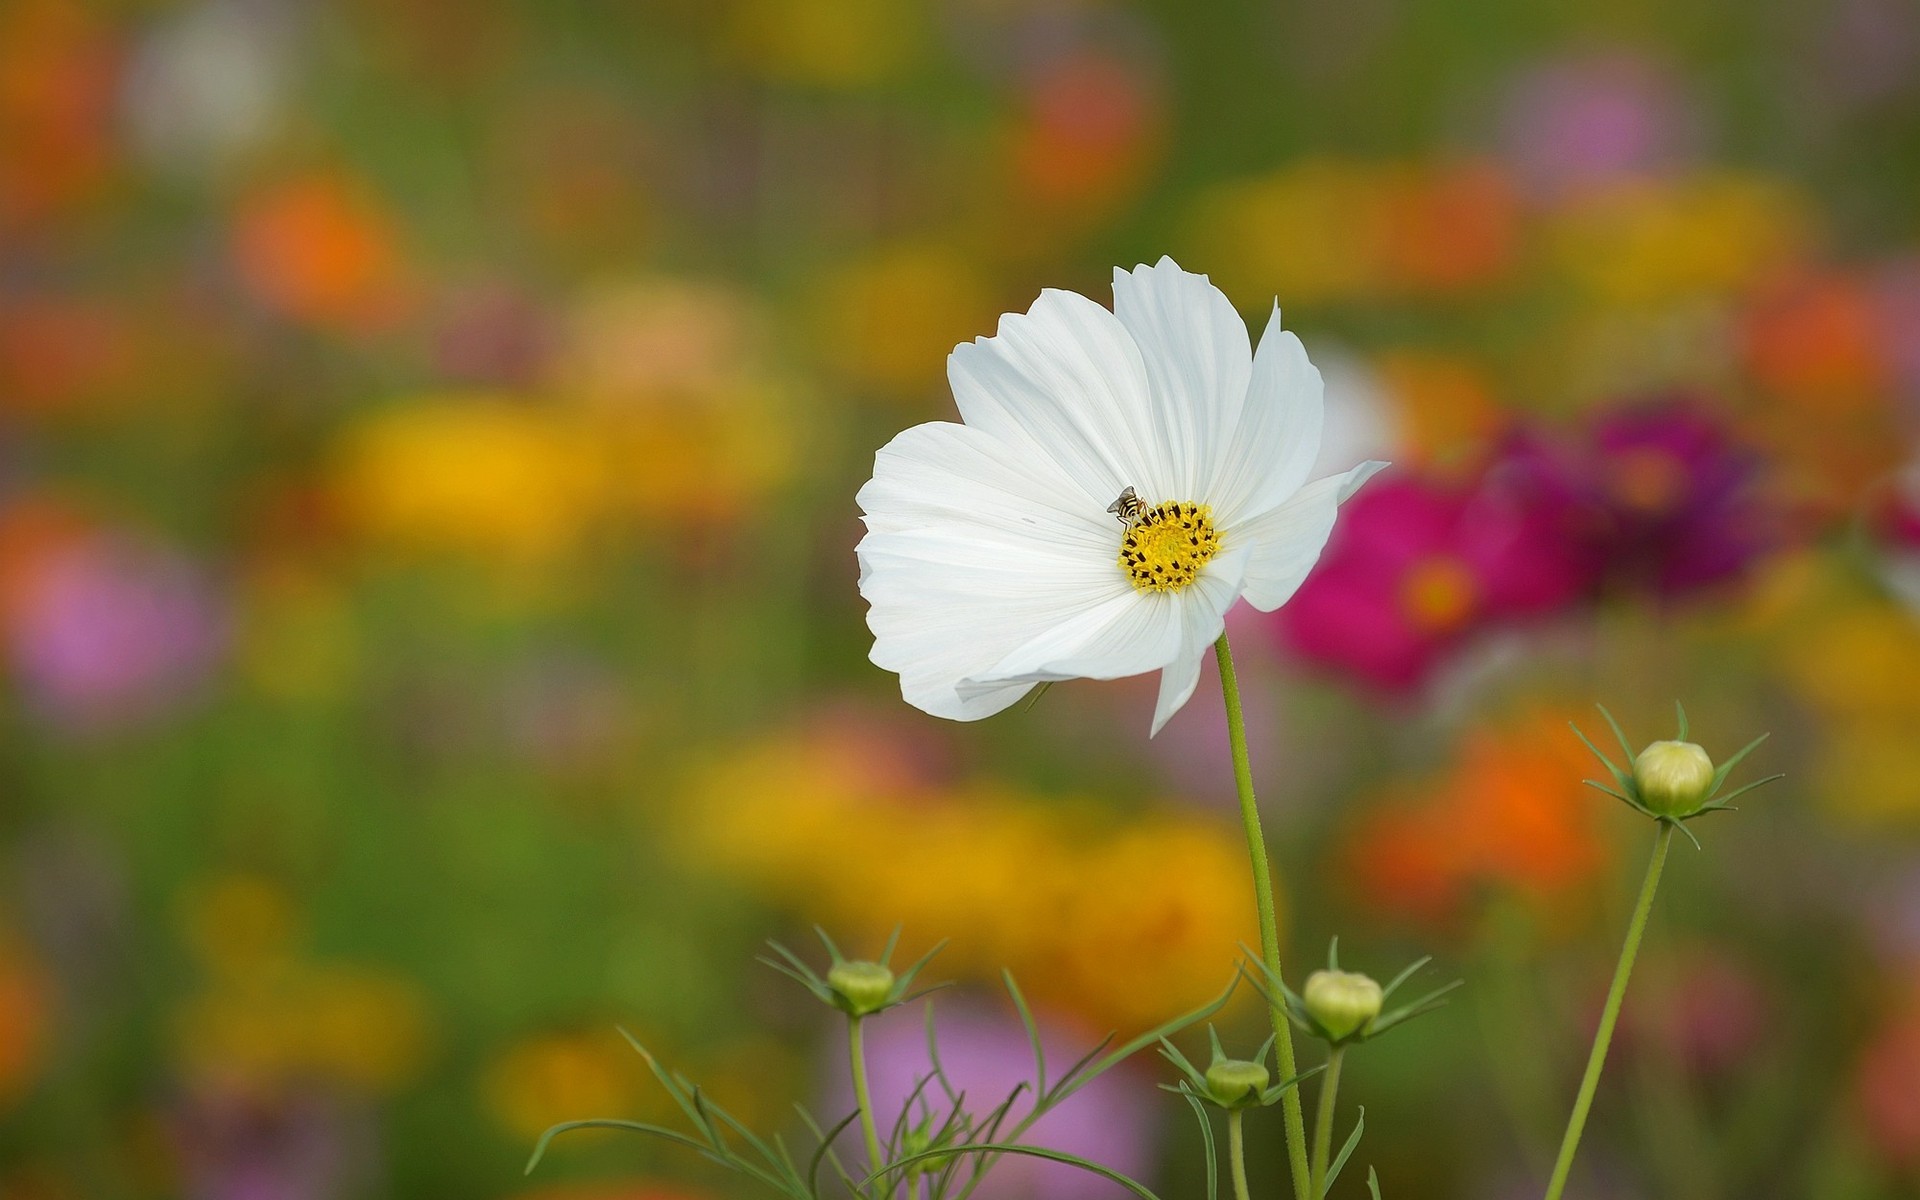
(1287, 540)
(1278, 437)
(1065, 382)
(1198, 362)
(1203, 619)
(971, 552)
(1131, 634)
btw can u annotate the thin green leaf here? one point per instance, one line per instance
(1682, 827)
(906, 977)
(812, 985)
(1172, 1054)
(1744, 788)
(1681, 712)
(1060, 1156)
(1333, 953)
(1082, 1063)
(1403, 976)
(933, 1058)
(1625, 747)
(1726, 768)
(825, 1152)
(667, 1080)
(1346, 1151)
(893, 940)
(1620, 777)
(1129, 1049)
(1033, 1033)
(540, 1147)
(832, 950)
(1286, 1085)
(1206, 1136)
(1373, 1184)
(1037, 693)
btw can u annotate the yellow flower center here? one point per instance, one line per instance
(1165, 547)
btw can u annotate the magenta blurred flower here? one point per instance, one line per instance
(986, 1055)
(1419, 565)
(106, 630)
(1584, 119)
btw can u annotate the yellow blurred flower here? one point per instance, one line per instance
(266, 1014)
(481, 475)
(297, 641)
(826, 43)
(1124, 923)
(1648, 242)
(566, 1076)
(1853, 655)
(675, 378)
(888, 319)
(1446, 403)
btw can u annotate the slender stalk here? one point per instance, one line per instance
(856, 1053)
(1295, 1119)
(1323, 1120)
(1610, 1015)
(1236, 1154)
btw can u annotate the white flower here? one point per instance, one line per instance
(993, 559)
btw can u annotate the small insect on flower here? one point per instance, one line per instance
(989, 566)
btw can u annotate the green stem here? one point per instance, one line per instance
(1323, 1120)
(856, 1052)
(1236, 1154)
(1610, 1015)
(1296, 1124)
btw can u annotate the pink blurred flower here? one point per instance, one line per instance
(1418, 565)
(103, 630)
(1587, 118)
(985, 1053)
(239, 1146)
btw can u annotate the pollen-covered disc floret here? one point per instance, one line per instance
(1165, 547)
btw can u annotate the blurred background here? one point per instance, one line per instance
(428, 626)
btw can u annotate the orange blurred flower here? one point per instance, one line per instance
(1090, 130)
(59, 73)
(1330, 230)
(1817, 336)
(26, 996)
(1510, 812)
(319, 248)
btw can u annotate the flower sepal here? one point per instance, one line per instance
(1673, 781)
(1344, 1007)
(1229, 1083)
(857, 987)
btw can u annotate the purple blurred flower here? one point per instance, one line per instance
(238, 1146)
(1584, 119)
(106, 630)
(1418, 565)
(986, 1055)
(1672, 498)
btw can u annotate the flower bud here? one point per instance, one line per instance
(863, 987)
(1233, 1082)
(1673, 778)
(1343, 1002)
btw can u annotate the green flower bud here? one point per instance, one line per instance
(1673, 778)
(1233, 1082)
(863, 987)
(1343, 1002)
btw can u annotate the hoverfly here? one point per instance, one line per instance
(1127, 508)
